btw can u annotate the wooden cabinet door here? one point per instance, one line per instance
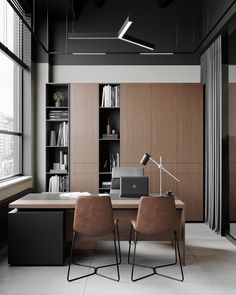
(135, 123)
(84, 137)
(189, 143)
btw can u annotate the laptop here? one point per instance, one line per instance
(133, 186)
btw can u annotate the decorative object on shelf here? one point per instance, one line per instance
(108, 126)
(110, 136)
(106, 184)
(113, 131)
(144, 161)
(105, 165)
(58, 97)
(52, 138)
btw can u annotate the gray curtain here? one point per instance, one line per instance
(211, 77)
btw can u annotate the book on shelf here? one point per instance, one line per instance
(110, 96)
(63, 134)
(58, 183)
(57, 171)
(114, 160)
(54, 115)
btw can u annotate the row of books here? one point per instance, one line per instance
(58, 184)
(58, 114)
(110, 96)
(63, 134)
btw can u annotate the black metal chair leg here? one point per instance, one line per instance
(118, 239)
(170, 264)
(134, 264)
(130, 239)
(154, 269)
(71, 256)
(134, 256)
(180, 260)
(118, 260)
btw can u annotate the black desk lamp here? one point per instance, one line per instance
(144, 161)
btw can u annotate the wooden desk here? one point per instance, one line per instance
(124, 210)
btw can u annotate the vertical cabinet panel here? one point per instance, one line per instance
(84, 137)
(189, 128)
(163, 123)
(189, 123)
(135, 122)
(84, 123)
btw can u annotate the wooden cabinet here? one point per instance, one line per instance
(163, 119)
(84, 137)
(166, 119)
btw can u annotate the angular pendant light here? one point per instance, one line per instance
(124, 37)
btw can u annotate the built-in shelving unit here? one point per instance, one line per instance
(57, 138)
(109, 133)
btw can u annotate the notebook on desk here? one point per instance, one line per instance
(133, 186)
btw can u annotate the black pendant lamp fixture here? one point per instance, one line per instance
(124, 37)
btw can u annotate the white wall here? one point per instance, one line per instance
(122, 74)
(41, 78)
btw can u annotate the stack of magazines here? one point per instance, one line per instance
(58, 114)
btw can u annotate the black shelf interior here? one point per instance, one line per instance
(51, 89)
(114, 120)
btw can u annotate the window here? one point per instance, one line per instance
(10, 94)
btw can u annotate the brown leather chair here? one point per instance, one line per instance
(156, 217)
(93, 217)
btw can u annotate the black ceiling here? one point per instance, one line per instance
(172, 25)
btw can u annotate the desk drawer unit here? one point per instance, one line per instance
(35, 238)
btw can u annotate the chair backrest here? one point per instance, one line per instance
(93, 216)
(156, 216)
(117, 172)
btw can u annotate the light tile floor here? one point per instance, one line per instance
(210, 269)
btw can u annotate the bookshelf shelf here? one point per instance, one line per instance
(57, 139)
(55, 173)
(110, 108)
(104, 139)
(56, 146)
(60, 108)
(57, 120)
(109, 119)
(105, 173)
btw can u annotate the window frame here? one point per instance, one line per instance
(10, 55)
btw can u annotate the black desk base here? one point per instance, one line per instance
(35, 238)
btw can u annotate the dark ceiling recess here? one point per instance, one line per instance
(98, 3)
(79, 5)
(164, 3)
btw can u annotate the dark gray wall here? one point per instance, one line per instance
(180, 27)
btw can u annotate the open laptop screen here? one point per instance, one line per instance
(133, 186)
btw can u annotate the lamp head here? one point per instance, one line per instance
(145, 159)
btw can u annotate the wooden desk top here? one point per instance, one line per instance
(56, 201)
